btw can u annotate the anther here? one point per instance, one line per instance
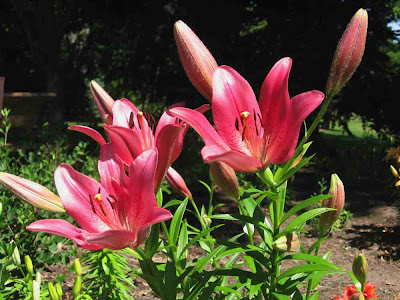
(131, 122)
(98, 197)
(244, 115)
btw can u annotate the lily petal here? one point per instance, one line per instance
(128, 144)
(202, 126)
(112, 239)
(112, 172)
(143, 210)
(233, 95)
(237, 160)
(122, 110)
(75, 190)
(274, 96)
(167, 119)
(65, 229)
(169, 145)
(94, 134)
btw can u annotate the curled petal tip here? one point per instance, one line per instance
(32, 193)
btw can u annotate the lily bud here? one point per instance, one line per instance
(336, 201)
(76, 290)
(206, 219)
(225, 178)
(394, 172)
(177, 183)
(1, 208)
(397, 183)
(349, 52)
(77, 267)
(289, 242)
(103, 100)
(16, 257)
(35, 290)
(32, 192)
(197, 61)
(360, 268)
(28, 264)
(357, 296)
(38, 277)
(59, 290)
(52, 291)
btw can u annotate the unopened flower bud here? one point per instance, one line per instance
(394, 172)
(336, 202)
(28, 264)
(225, 178)
(16, 257)
(52, 291)
(59, 290)
(35, 290)
(1, 208)
(360, 268)
(357, 296)
(103, 100)
(197, 61)
(38, 277)
(77, 286)
(349, 52)
(32, 192)
(397, 183)
(77, 267)
(177, 183)
(289, 242)
(206, 219)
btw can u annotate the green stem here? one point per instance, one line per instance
(210, 200)
(310, 281)
(275, 262)
(198, 214)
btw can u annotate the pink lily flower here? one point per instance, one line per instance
(249, 136)
(131, 134)
(116, 213)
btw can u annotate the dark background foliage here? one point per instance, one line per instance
(128, 46)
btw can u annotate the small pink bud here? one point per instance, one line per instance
(197, 61)
(349, 52)
(289, 242)
(32, 192)
(103, 100)
(336, 201)
(177, 183)
(225, 178)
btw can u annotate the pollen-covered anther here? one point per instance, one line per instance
(98, 197)
(244, 114)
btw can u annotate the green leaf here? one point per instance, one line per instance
(183, 241)
(206, 186)
(152, 242)
(172, 203)
(159, 197)
(312, 258)
(301, 220)
(305, 269)
(176, 222)
(302, 205)
(197, 238)
(280, 296)
(314, 296)
(294, 170)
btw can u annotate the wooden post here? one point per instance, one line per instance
(1, 92)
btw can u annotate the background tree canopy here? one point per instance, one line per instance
(128, 46)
